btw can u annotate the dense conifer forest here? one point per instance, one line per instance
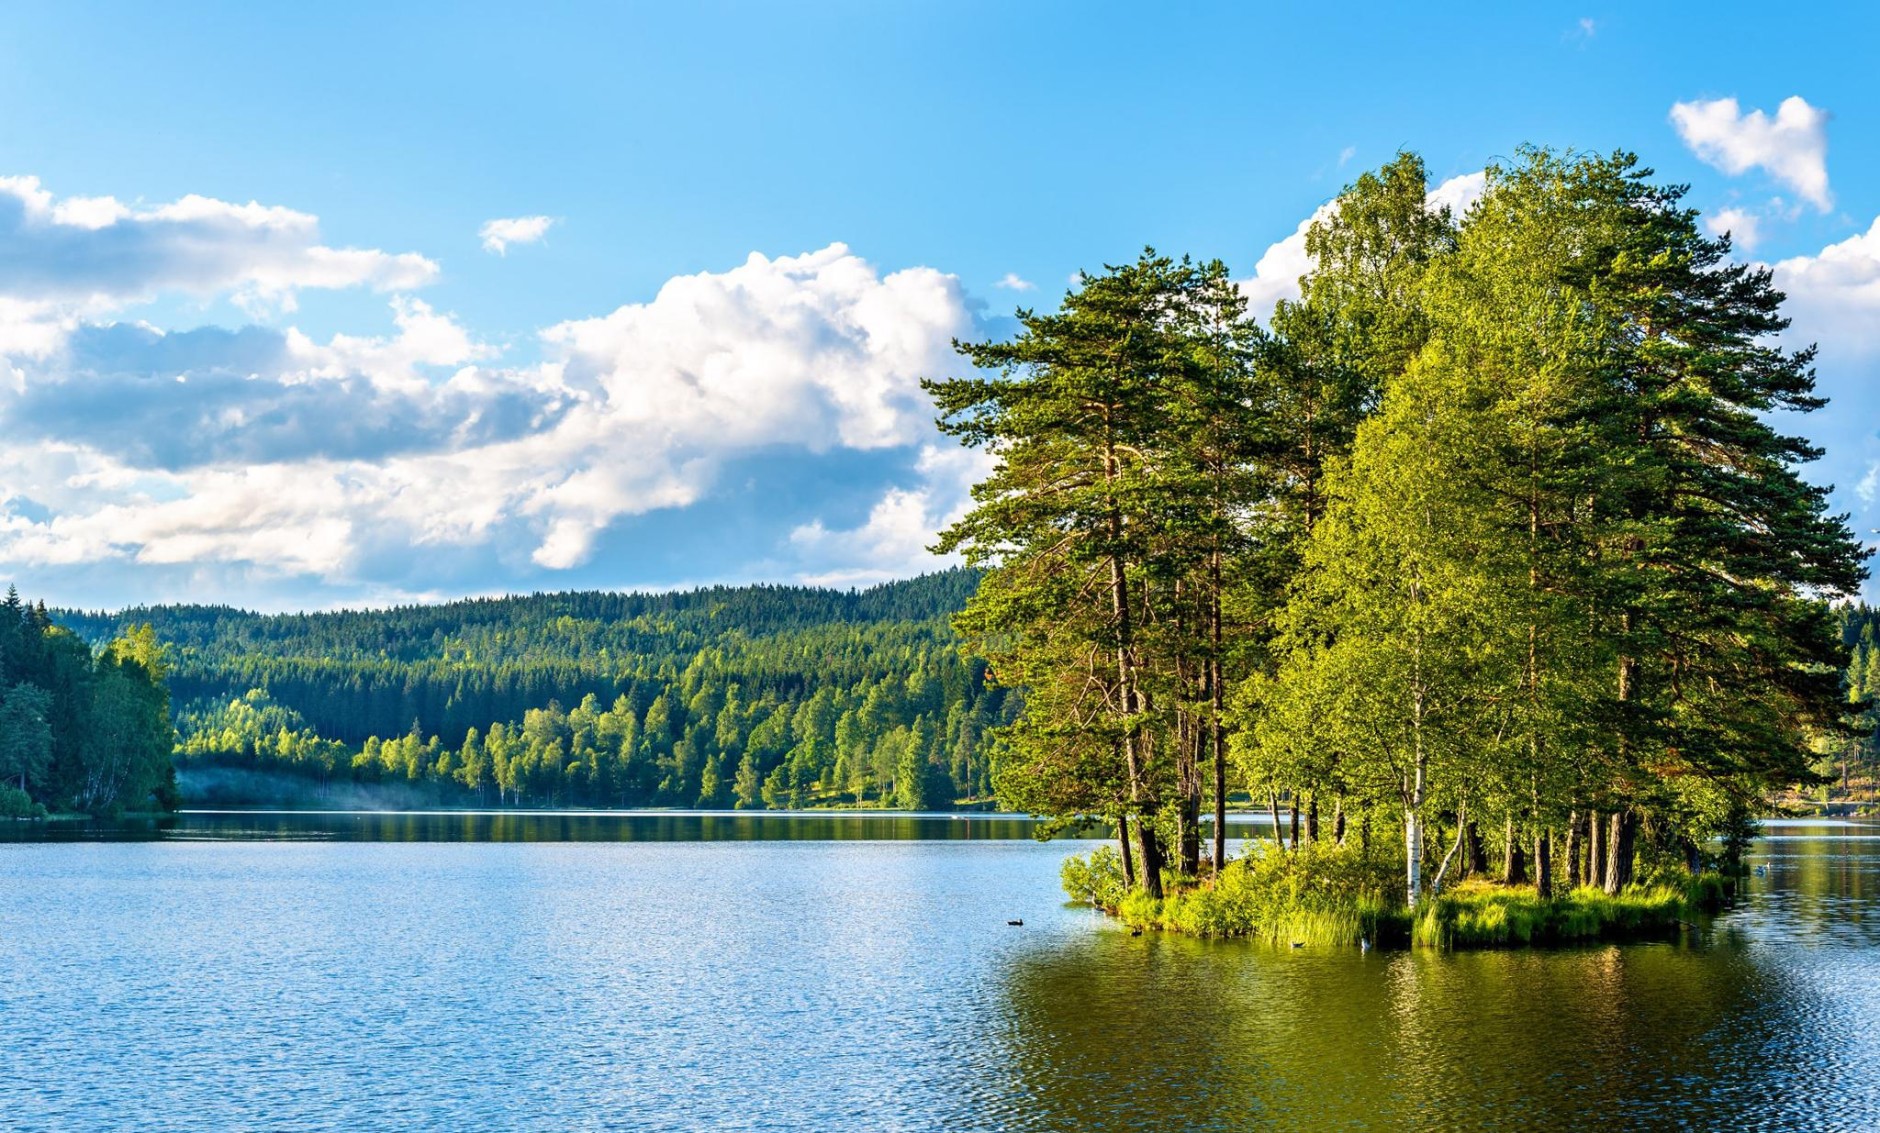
(760, 696)
(81, 728)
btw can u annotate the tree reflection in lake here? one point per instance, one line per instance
(1752, 1023)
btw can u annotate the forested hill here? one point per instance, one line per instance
(759, 695)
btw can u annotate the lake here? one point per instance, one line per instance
(597, 971)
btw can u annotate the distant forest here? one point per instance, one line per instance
(82, 728)
(762, 696)
(759, 696)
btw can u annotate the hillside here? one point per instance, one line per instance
(759, 695)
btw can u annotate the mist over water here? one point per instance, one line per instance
(712, 971)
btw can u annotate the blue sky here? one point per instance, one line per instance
(282, 365)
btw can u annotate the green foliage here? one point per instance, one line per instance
(1105, 529)
(15, 803)
(1494, 530)
(748, 697)
(83, 729)
(1569, 565)
(1095, 878)
(1335, 896)
(1481, 915)
(1319, 895)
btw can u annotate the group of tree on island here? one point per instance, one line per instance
(1484, 544)
(81, 729)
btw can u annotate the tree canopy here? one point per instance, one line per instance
(1496, 515)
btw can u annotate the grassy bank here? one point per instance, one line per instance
(1334, 897)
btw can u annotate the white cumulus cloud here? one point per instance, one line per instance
(65, 260)
(498, 234)
(1791, 147)
(273, 452)
(1012, 281)
(1742, 226)
(98, 252)
(893, 542)
(1835, 293)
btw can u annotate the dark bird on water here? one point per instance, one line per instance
(1015, 922)
(1135, 932)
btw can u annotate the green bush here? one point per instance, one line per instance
(1326, 894)
(1320, 894)
(1095, 878)
(14, 803)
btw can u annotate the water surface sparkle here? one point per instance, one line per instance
(341, 972)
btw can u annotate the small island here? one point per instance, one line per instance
(1485, 547)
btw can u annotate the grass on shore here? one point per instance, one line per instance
(1332, 896)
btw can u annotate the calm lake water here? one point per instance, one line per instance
(738, 972)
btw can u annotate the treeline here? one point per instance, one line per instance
(759, 696)
(80, 729)
(1857, 753)
(1486, 544)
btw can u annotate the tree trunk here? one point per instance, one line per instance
(1217, 726)
(1279, 832)
(1573, 850)
(1129, 859)
(1126, 678)
(1312, 819)
(1609, 872)
(1190, 834)
(1413, 824)
(1513, 865)
(1596, 849)
(1544, 865)
(1338, 820)
(1621, 836)
(1477, 863)
(1152, 857)
(1292, 817)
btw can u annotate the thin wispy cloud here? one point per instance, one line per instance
(1011, 281)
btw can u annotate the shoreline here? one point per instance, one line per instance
(1263, 901)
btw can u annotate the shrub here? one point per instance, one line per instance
(1321, 894)
(1327, 894)
(15, 803)
(1095, 878)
